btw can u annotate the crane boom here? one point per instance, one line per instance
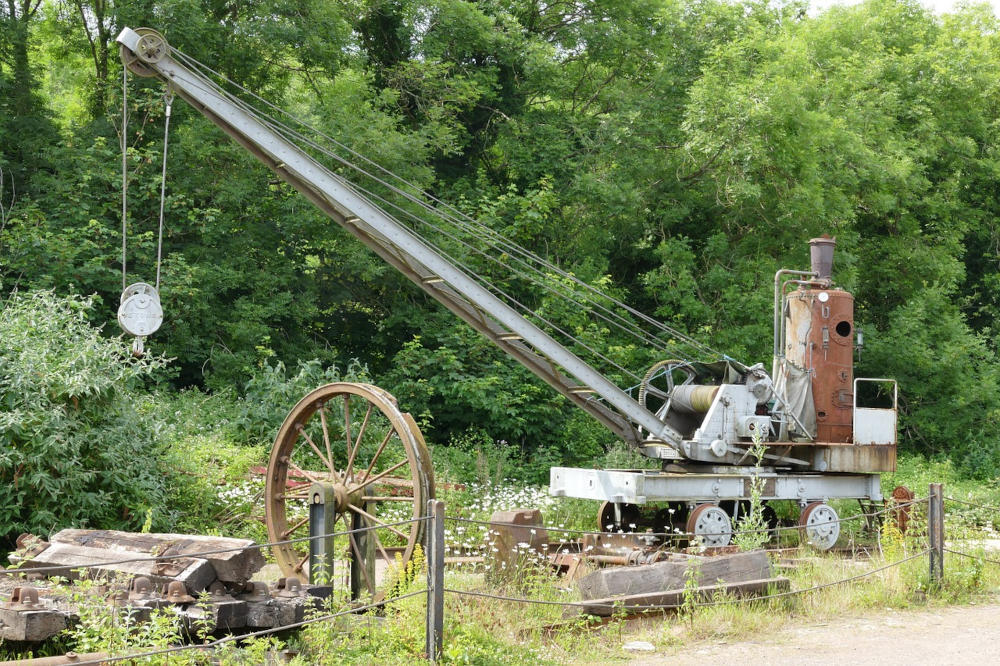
(146, 53)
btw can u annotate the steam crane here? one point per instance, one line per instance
(717, 429)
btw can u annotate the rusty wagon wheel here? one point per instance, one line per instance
(355, 438)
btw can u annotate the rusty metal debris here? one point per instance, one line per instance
(177, 593)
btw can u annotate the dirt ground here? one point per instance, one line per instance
(953, 635)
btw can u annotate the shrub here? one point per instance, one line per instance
(76, 445)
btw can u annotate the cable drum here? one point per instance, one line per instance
(693, 399)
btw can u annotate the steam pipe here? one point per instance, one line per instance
(778, 301)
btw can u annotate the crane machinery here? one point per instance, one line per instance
(717, 430)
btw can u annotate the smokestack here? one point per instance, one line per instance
(821, 256)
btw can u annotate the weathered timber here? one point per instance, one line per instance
(673, 599)
(673, 574)
(277, 612)
(242, 558)
(196, 574)
(30, 625)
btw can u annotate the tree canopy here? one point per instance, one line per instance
(675, 152)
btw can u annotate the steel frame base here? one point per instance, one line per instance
(647, 486)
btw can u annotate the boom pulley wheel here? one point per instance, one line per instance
(150, 49)
(355, 438)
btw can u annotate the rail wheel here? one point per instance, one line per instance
(819, 525)
(630, 518)
(354, 437)
(711, 525)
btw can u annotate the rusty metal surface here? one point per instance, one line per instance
(832, 457)
(820, 338)
(901, 495)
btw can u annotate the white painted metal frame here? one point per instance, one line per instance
(644, 486)
(876, 425)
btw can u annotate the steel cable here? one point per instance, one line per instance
(971, 557)
(472, 225)
(721, 602)
(455, 261)
(972, 504)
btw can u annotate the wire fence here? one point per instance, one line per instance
(21, 570)
(436, 589)
(714, 602)
(256, 634)
(687, 536)
(975, 505)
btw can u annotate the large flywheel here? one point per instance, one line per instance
(354, 438)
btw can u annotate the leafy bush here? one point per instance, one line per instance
(77, 446)
(272, 392)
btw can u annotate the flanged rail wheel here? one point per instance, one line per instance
(819, 525)
(354, 438)
(711, 525)
(630, 517)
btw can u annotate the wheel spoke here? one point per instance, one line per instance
(357, 443)
(368, 482)
(364, 426)
(386, 498)
(329, 462)
(347, 434)
(381, 447)
(312, 476)
(298, 566)
(284, 535)
(381, 548)
(378, 544)
(326, 435)
(362, 512)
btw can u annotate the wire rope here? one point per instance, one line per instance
(254, 634)
(718, 602)
(451, 258)
(623, 324)
(124, 143)
(168, 101)
(455, 221)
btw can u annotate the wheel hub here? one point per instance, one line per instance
(345, 497)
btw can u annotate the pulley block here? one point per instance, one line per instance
(139, 313)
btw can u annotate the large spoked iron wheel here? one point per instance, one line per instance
(355, 438)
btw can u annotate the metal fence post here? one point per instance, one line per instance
(435, 579)
(935, 531)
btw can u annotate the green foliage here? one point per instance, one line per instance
(673, 152)
(79, 442)
(272, 392)
(955, 409)
(752, 532)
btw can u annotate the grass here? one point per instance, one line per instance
(217, 494)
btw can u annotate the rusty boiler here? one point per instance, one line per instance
(819, 337)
